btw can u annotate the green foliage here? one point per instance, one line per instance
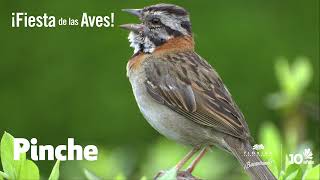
(161, 155)
(296, 172)
(29, 170)
(11, 167)
(90, 176)
(143, 178)
(271, 139)
(312, 173)
(110, 164)
(55, 171)
(120, 177)
(3, 175)
(19, 169)
(169, 175)
(164, 154)
(293, 171)
(293, 80)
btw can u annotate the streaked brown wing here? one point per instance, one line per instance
(190, 86)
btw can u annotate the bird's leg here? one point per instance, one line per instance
(187, 157)
(181, 162)
(197, 159)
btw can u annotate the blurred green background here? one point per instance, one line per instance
(69, 81)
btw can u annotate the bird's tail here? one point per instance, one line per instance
(253, 165)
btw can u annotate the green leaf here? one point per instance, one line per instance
(54, 175)
(293, 172)
(143, 178)
(7, 155)
(271, 139)
(291, 168)
(29, 170)
(120, 177)
(283, 74)
(109, 164)
(10, 166)
(281, 175)
(90, 176)
(313, 173)
(293, 79)
(19, 164)
(273, 168)
(302, 73)
(3, 175)
(169, 175)
(293, 175)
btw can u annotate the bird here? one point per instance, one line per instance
(180, 94)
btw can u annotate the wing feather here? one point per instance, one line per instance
(190, 86)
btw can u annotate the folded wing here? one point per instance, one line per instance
(190, 86)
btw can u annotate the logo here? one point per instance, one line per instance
(255, 152)
(258, 147)
(301, 158)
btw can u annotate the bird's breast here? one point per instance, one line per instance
(135, 63)
(163, 119)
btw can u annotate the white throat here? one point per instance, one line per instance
(140, 43)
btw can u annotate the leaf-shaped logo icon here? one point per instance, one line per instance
(258, 147)
(307, 154)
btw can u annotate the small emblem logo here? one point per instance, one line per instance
(302, 158)
(258, 147)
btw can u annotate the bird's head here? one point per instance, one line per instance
(159, 23)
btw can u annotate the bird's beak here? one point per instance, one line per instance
(134, 27)
(137, 28)
(135, 12)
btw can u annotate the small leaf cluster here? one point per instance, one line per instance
(22, 168)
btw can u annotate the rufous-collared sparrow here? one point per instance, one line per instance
(179, 93)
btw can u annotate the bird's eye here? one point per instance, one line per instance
(155, 21)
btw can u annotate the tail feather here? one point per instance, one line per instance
(253, 165)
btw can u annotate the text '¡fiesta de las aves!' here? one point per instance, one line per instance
(22, 19)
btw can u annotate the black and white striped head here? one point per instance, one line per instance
(159, 23)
